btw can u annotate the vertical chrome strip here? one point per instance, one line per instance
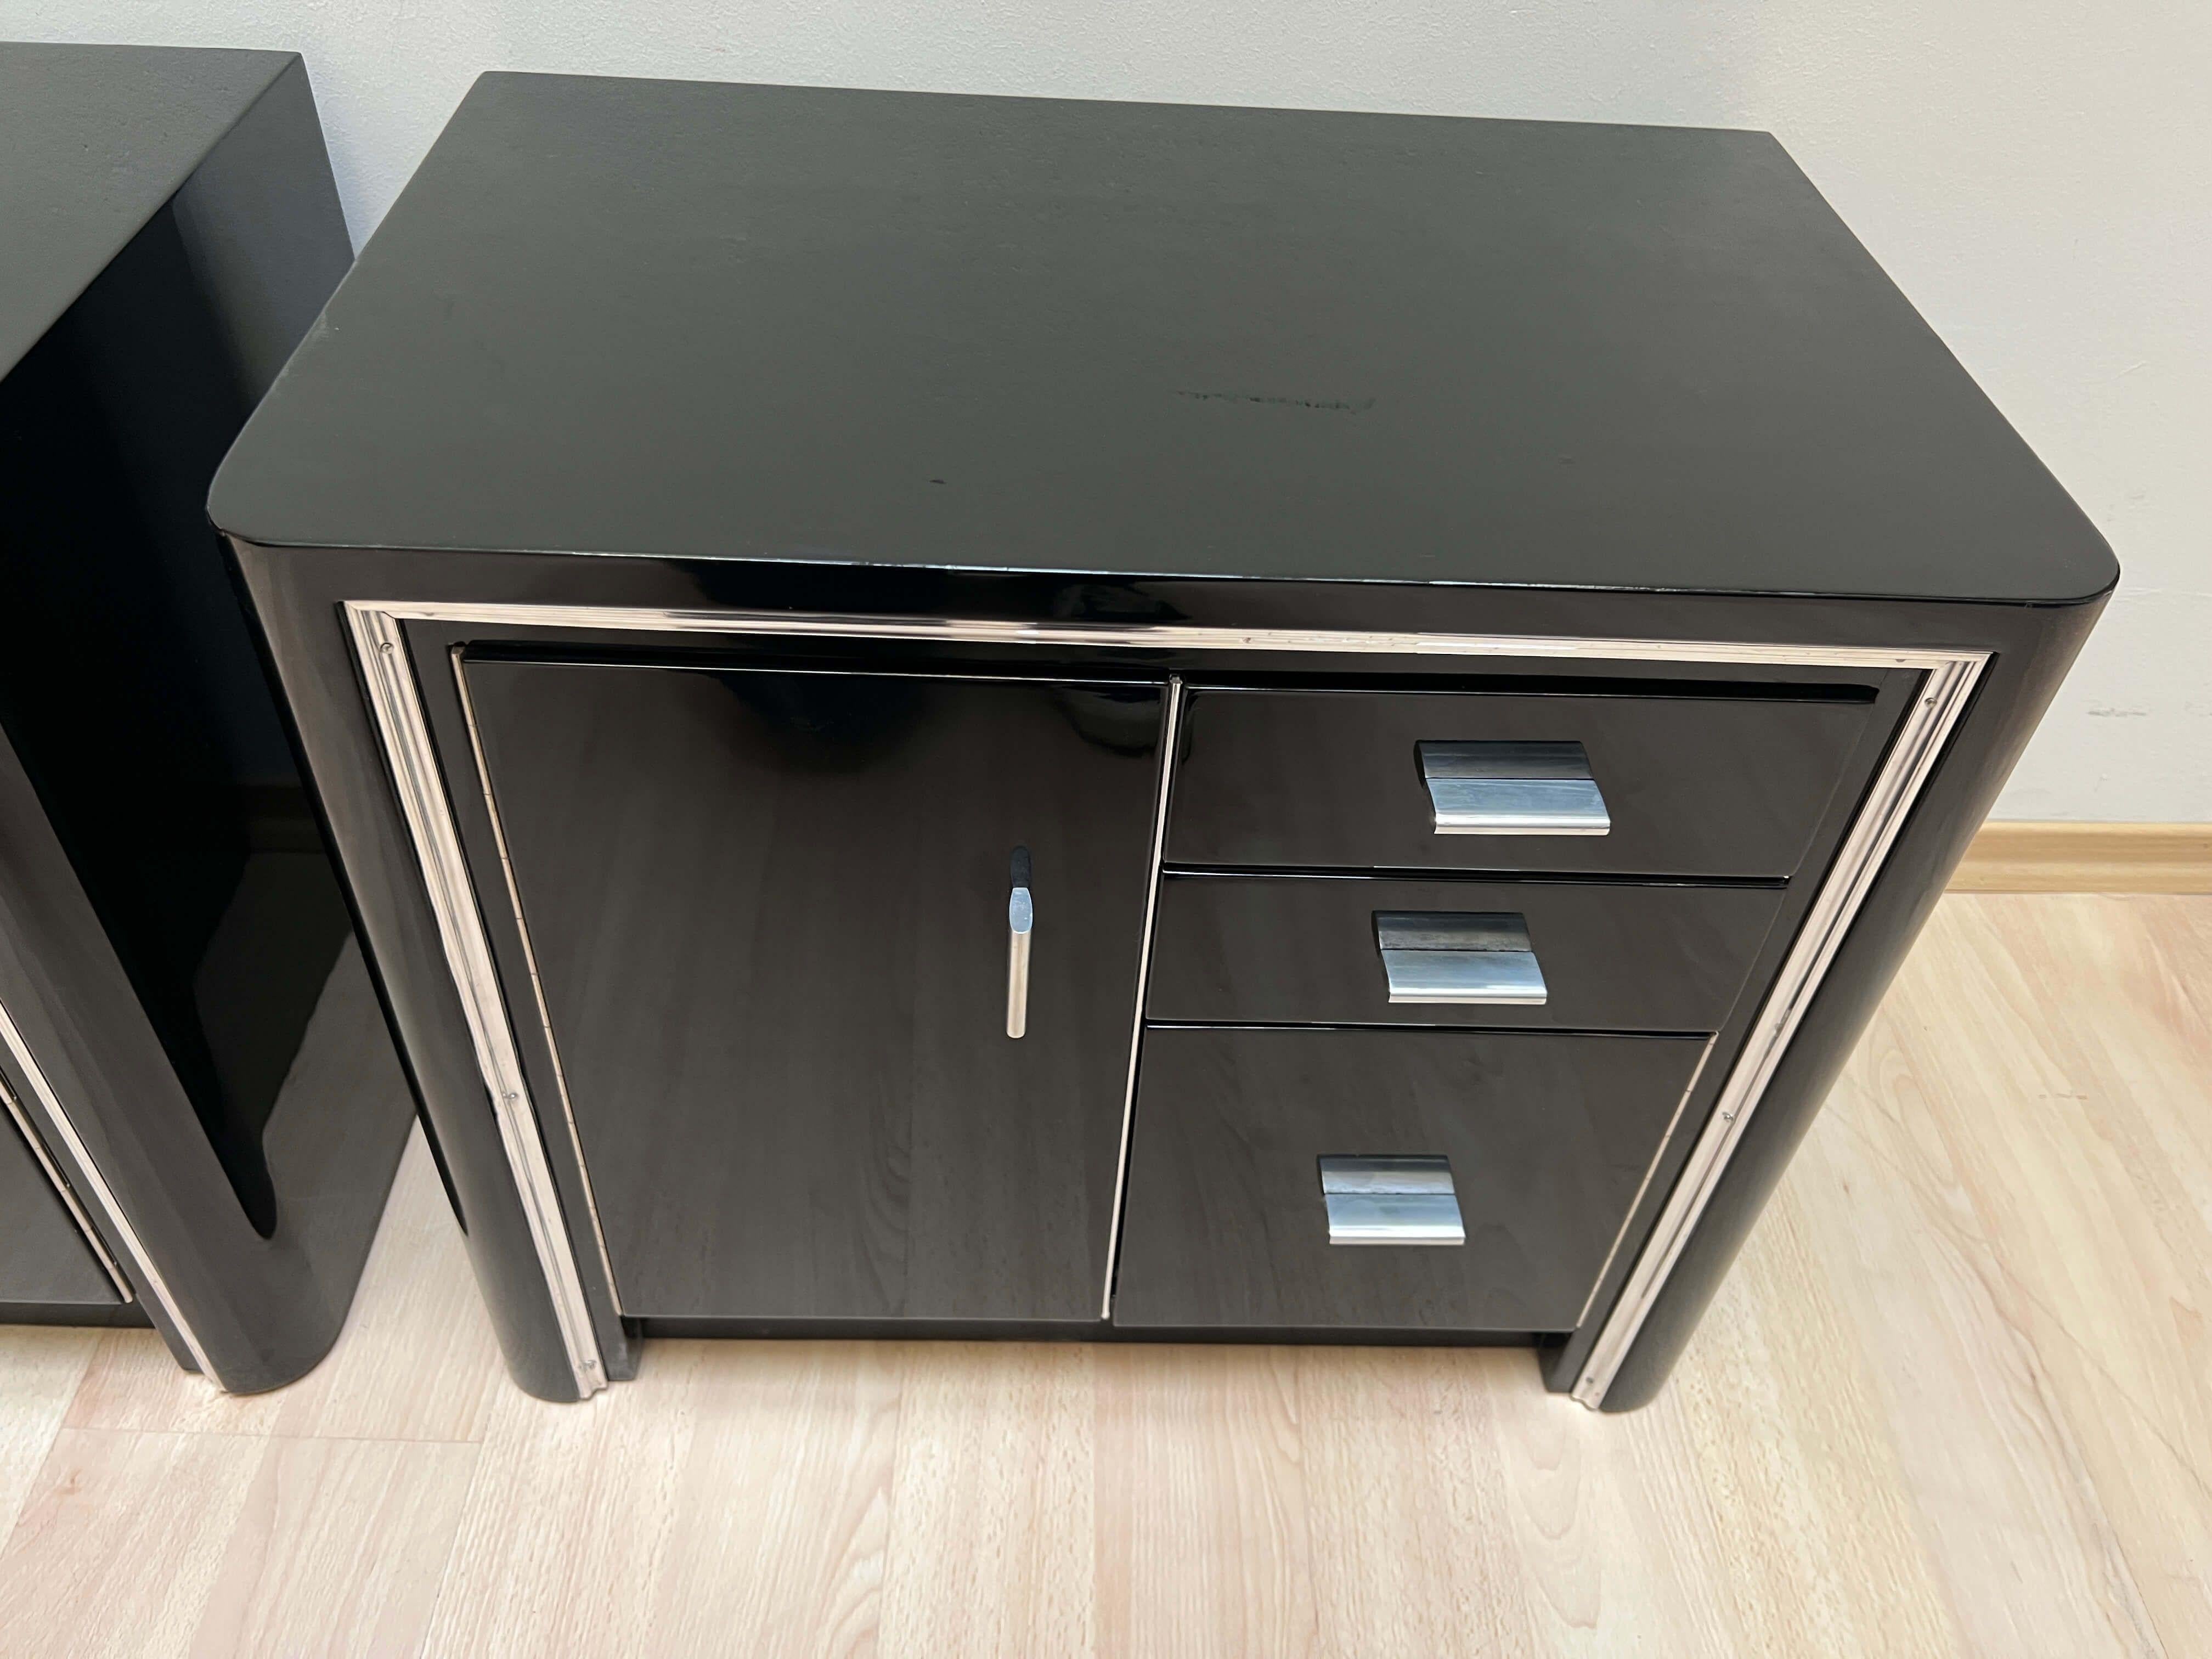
(150, 1276)
(59, 1182)
(530, 963)
(1940, 699)
(388, 675)
(1665, 1140)
(1170, 727)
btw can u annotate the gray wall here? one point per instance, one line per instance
(2038, 176)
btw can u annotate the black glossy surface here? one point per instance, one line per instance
(129, 690)
(45, 1258)
(1710, 786)
(1232, 950)
(176, 951)
(769, 913)
(719, 322)
(1548, 1137)
(94, 142)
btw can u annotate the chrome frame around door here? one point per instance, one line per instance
(376, 628)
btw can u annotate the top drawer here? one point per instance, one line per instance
(1648, 786)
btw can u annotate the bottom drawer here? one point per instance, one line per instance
(1546, 1138)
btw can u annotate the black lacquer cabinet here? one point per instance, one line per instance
(1002, 716)
(204, 1107)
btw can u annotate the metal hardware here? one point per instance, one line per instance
(1951, 677)
(1170, 725)
(1390, 1200)
(1512, 789)
(1021, 917)
(398, 710)
(66, 1193)
(1476, 957)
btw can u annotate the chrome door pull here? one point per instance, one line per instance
(1470, 957)
(1390, 1200)
(1021, 917)
(1512, 789)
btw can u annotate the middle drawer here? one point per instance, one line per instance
(1361, 950)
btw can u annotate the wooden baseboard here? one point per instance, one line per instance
(2088, 857)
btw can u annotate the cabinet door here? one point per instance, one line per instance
(770, 911)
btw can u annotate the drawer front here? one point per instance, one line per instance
(1544, 1138)
(1359, 950)
(1632, 785)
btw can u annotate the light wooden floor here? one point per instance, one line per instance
(1956, 1399)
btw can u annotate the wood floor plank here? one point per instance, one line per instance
(2058, 1169)
(416, 1361)
(39, 1370)
(119, 1542)
(994, 1509)
(1203, 1542)
(734, 1499)
(2008, 1504)
(1803, 1492)
(338, 1549)
(206, 1544)
(1401, 1454)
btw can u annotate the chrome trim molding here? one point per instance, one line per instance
(60, 1183)
(1950, 678)
(387, 674)
(1155, 636)
(536, 986)
(1170, 729)
(1920, 738)
(96, 1186)
(1665, 1140)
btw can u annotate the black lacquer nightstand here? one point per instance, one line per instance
(204, 1105)
(992, 716)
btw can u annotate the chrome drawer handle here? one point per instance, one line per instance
(1470, 958)
(1390, 1200)
(1512, 789)
(1021, 917)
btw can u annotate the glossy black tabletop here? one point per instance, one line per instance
(93, 140)
(717, 321)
